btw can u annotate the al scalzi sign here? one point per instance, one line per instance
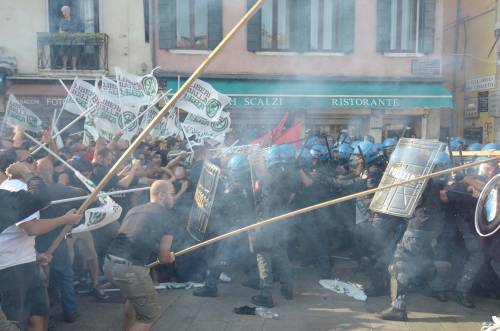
(367, 102)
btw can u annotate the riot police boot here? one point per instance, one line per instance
(287, 291)
(205, 291)
(464, 299)
(393, 314)
(263, 300)
(379, 284)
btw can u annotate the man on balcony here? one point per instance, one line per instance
(71, 25)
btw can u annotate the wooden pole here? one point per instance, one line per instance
(320, 205)
(197, 73)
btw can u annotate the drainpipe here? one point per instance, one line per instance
(153, 4)
(458, 22)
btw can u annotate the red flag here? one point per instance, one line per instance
(291, 136)
(269, 138)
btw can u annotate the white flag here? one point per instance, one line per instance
(90, 132)
(55, 130)
(17, 114)
(85, 94)
(98, 217)
(108, 117)
(109, 87)
(135, 91)
(202, 100)
(201, 128)
(167, 126)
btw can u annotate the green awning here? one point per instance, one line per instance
(296, 94)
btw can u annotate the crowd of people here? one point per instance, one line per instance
(396, 254)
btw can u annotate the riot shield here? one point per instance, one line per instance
(412, 158)
(203, 201)
(487, 218)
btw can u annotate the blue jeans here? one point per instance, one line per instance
(63, 279)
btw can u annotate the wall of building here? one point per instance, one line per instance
(20, 20)
(475, 40)
(123, 22)
(364, 61)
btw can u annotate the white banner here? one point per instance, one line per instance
(202, 100)
(108, 117)
(17, 114)
(167, 126)
(109, 87)
(98, 217)
(201, 128)
(90, 132)
(134, 90)
(82, 92)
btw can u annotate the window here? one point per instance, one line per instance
(404, 19)
(406, 26)
(332, 24)
(192, 24)
(275, 25)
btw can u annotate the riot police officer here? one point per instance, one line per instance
(233, 208)
(274, 195)
(413, 256)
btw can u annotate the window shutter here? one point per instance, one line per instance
(168, 24)
(347, 25)
(300, 25)
(215, 20)
(254, 30)
(427, 25)
(383, 25)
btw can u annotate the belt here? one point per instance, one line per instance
(118, 260)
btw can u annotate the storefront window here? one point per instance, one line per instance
(404, 25)
(325, 17)
(276, 25)
(192, 24)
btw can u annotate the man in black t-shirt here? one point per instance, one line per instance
(146, 230)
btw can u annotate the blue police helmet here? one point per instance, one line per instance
(475, 147)
(344, 138)
(355, 144)
(287, 153)
(370, 152)
(379, 147)
(344, 152)
(491, 146)
(320, 152)
(272, 157)
(457, 143)
(238, 164)
(443, 160)
(390, 143)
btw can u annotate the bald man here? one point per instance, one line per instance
(146, 231)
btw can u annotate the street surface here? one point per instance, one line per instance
(313, 309)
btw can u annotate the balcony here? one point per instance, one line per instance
(89, 49)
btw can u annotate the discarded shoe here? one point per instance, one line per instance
(244, 310)
(99, 294)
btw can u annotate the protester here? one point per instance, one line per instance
(145, 230)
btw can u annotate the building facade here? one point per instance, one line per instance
(113, 33)
(471, 69)
(368, 66)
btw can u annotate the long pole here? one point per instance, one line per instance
(321, 205)
(132, 190)
(197, 73)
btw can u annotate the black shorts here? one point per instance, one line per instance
(23, 292)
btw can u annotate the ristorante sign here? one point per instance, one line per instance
(334, 102)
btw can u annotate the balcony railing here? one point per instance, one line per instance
(89, 49)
